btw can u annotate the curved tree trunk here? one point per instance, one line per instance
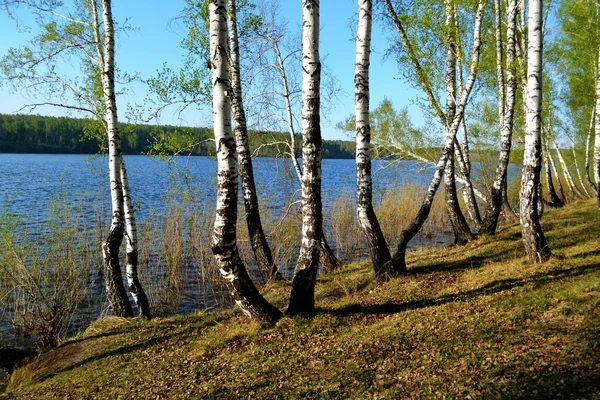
(380, 253)
(597, 136)
(535, 242)
(555, 201)
(587, 193)
(397, 264)
(587, 151)
(224, 241)
(462, 232)
(565, 169)
(260, 246)
(131, 258)
(506, 115)
(115, 290)
(561, 191)
(465, 170)
(302, 297)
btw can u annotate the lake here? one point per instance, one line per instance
(29, 181)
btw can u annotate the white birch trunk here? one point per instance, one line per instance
(587, 150)
(597, 136)
(380, 253)
(303, 285)
(260, 246)
(565, 169)
(398, 263)
(114, 281)
(535, 242)
(505, 114)
(587, 193)
(131, 258)
(224, 241)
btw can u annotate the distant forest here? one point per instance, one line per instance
(21, 133)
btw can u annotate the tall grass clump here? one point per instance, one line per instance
(44, 272)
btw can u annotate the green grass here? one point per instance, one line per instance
(467, 322)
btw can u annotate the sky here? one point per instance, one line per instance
(156, 40)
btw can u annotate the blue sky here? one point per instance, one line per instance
(157, 40)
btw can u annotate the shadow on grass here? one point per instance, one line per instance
(569, 384)
(490, 288)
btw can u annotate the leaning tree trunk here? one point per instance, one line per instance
(260, 246)
(115, 290)
(224, 241)
(587, 193)
(462, 156)
(566, 173)
(506, 116)
(587, 151)
(131, 257)
(380, 253)
(597, 136)
(561, 191)
(462, 232)
(397, 264)
(535, 242)
(302, 297)
(554, 200)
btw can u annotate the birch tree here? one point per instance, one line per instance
(85, 35)
(224, 241)
(398, 263)
(535, 242)
(380, 253)
(506, 109)
(260, 246)
(305, 274)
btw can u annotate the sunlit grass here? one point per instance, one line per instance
(467, 322)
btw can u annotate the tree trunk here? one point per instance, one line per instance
(224, 241)
(561, 191)
(464, 164)
(535, 242)
(131, 258)
(380, 253)
(462, 232)
(587, 193)
(597, 136)
(302, 297)
(397, 264)
(260, 246)
(566, 173)
(327, 257)
(506, 117)
(115, 290)
(587, 151)
(554, 201)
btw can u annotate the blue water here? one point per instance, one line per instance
(29, 181)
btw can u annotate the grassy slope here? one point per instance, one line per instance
(468, 322)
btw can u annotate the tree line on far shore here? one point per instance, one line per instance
(27, 133)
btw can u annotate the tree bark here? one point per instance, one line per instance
(327, 257)
(224, 241)
(597, 135)
(131, 257)
(397, 264)
(380, 253)
(566, 173)
(587, 150)
(554, 200)
(506, 116)
(115, 290)
(258, 241)
(535, 242)
(462, 232)
(302, 297)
